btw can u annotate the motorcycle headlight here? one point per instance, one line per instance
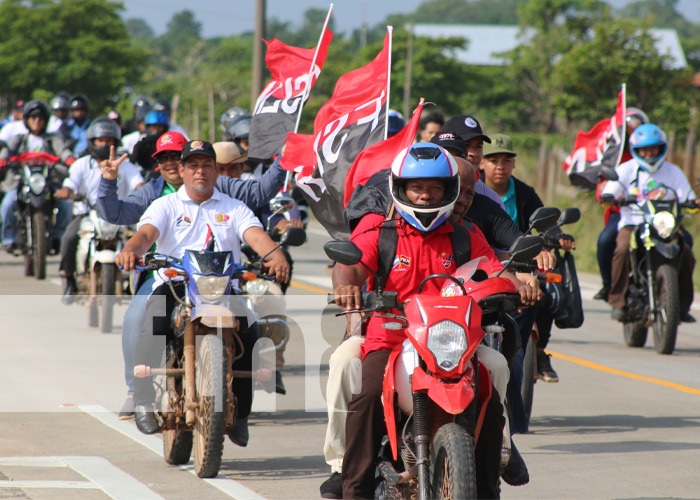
(258, 286)
(663, 223)
(37, 183)
(447, 341)
(212, 287)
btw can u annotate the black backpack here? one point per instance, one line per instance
(564, 299)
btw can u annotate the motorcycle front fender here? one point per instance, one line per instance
(667, 250)
(37, 201)
(214, 316)
(451, 397)
(105, 256)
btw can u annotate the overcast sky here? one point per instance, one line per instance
(230, 17)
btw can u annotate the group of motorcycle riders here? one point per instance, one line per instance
(453, 187)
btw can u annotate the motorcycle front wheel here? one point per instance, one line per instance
(529, 374)
(109, 272)
(40, 243)
(212, 397)
(668, 311)
(177, 444)
(453, 465)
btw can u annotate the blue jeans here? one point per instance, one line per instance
(8, 210)
(133, 319)
(606, 248)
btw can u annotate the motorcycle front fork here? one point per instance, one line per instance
(422, 440)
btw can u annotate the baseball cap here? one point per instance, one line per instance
(500, 143)
(169, 141)
(228, 152)
(450, 141)
(465, 127)
(197, 148)
(19, 105)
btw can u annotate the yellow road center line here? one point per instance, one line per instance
(606, 369)
(309, 288)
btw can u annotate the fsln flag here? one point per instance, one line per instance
(352, 119)
(294, 71)
(602, 146)
(380, 156)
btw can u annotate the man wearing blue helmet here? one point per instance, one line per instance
(424, 187)
(647, 174)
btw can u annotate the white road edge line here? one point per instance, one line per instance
(229, 486)
(50, 485)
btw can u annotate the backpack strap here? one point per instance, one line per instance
(386, 246)
(461, 242)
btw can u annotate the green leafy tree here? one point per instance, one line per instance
(79, 45)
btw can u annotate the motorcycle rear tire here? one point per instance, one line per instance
(40, 243)
(667, 298)
(529, 375)
(453, 464)
(212, 396)
(109, 272)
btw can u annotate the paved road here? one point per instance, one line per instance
(622, 423)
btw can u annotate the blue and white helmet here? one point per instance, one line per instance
(644, 136)
(424, 160)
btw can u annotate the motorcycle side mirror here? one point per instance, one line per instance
(344, 252)
(543, 218)
(281, 204)
(609, 174)
(569, 216)
(526, 248)
(293, 237)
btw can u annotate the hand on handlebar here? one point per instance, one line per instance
(276, 263)
(127, 260)
(546, 261)
(349, 297)
(529, 294)
(567, 242)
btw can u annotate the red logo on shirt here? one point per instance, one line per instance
(446, 259)
(222, 218)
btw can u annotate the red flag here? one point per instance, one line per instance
(603, 145)
(353, 118)
(294, 71)
(378, 157)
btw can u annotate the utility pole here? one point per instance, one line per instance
(363, 30)
(258, 61)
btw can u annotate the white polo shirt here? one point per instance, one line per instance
(184, 224)
(84, 177)
(635, 180)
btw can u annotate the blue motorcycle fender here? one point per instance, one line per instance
(214, 316)
(668, 250)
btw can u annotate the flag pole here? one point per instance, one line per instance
(305, 95)
(390, 30)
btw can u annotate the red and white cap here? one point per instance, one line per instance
(169, 141)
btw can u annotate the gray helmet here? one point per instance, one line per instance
(229, 115)
(141, 113)
(162, 105)
(33, 107)
(104, 127)
(239, 127)
(61, 101)
(141, 100)
(80, 101)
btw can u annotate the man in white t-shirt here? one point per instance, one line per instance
(186, 220)
(83, 178)
(648, 176)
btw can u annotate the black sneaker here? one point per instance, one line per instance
(70, 292)
(544, 367)
(239, 434)
(279, 385)
(332, 487)
(602, 294)
(127, 411)
(515, 473)
(686, 317)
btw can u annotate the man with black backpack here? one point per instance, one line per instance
(424, 186)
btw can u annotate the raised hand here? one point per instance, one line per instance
(110, 168)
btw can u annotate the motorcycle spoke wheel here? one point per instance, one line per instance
(212, 398)
(667, 317)
(177, 444)
(453, 474)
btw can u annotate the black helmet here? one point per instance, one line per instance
(33, 108)
(162, 105)
(80, 101)
(61, 101)
(104, 127)
(141, 100)
(141, 113)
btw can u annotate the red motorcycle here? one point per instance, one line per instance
(435, 389)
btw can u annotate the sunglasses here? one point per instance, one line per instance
(164, 157)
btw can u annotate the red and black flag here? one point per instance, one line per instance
(602, 146)
(277, 110)
(353, 119)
